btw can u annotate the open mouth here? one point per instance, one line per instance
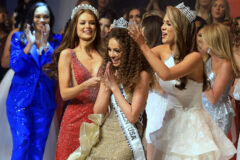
(164, 35)
(115, 61)
(87, 31)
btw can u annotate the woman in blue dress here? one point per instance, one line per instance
(31, 101)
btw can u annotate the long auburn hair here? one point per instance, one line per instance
(71, 40)
(132, 59)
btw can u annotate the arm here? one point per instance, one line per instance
(132, 111)
(225, 74)
(103, 99)
(19, 61)
(6, 52)
(184, 68)
(64, 72)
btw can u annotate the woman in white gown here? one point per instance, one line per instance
(188, 132)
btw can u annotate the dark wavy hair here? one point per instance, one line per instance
(6, 26)
(132, 59)
(71, 40)
(30, 16)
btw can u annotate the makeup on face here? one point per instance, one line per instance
(114, 52)
(41, 17)
(86, 26)
(168, 34)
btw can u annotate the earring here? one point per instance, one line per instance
(208, 51)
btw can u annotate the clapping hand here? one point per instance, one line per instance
(44, 35)
(30, 35)
(109, 77)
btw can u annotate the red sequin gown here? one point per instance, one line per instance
(76, 113)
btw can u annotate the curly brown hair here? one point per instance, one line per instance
(234, 30)
(132, 59)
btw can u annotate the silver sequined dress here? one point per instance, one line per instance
(222, 112)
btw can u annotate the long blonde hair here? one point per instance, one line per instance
(217, 37)
(185, 37)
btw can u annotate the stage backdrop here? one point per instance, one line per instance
(235, 7)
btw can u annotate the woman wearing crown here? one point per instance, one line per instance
(78, 62)
(123, 93)
(188, 131)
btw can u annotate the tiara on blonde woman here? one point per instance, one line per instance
(84, 7)
(187, 12)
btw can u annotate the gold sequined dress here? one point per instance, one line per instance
(112, 144)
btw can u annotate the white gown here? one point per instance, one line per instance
(188, 131)
(5, 132)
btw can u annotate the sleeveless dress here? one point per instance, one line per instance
(112, 144)
(222, 112)
(155, 110)
(104, 139)
(188, 132)
(76, 112)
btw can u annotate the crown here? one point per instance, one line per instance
(120, 23)
(187, 12)
(84, 7)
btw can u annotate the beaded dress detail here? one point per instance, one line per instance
(222, 112)
(76, 112)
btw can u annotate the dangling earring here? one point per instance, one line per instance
(208, 51)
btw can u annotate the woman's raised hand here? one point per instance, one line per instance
(109, 77)
(44, 35)
(30, 34)
(135, 32)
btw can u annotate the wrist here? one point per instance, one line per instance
(114, 87)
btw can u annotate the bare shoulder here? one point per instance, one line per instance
(162, 51)
(65, 55)
(194, 56)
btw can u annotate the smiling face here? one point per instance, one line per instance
(86, 26)
(218, 10)
(114, 52)
(41, 17)
(168, 34)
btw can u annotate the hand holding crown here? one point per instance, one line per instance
(136, 34)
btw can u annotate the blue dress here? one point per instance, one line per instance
(222, 112)
(31, 101)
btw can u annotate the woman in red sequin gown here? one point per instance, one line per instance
(78, 62)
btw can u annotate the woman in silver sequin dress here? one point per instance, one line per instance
(221, 70)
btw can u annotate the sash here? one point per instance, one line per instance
(129, 130)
